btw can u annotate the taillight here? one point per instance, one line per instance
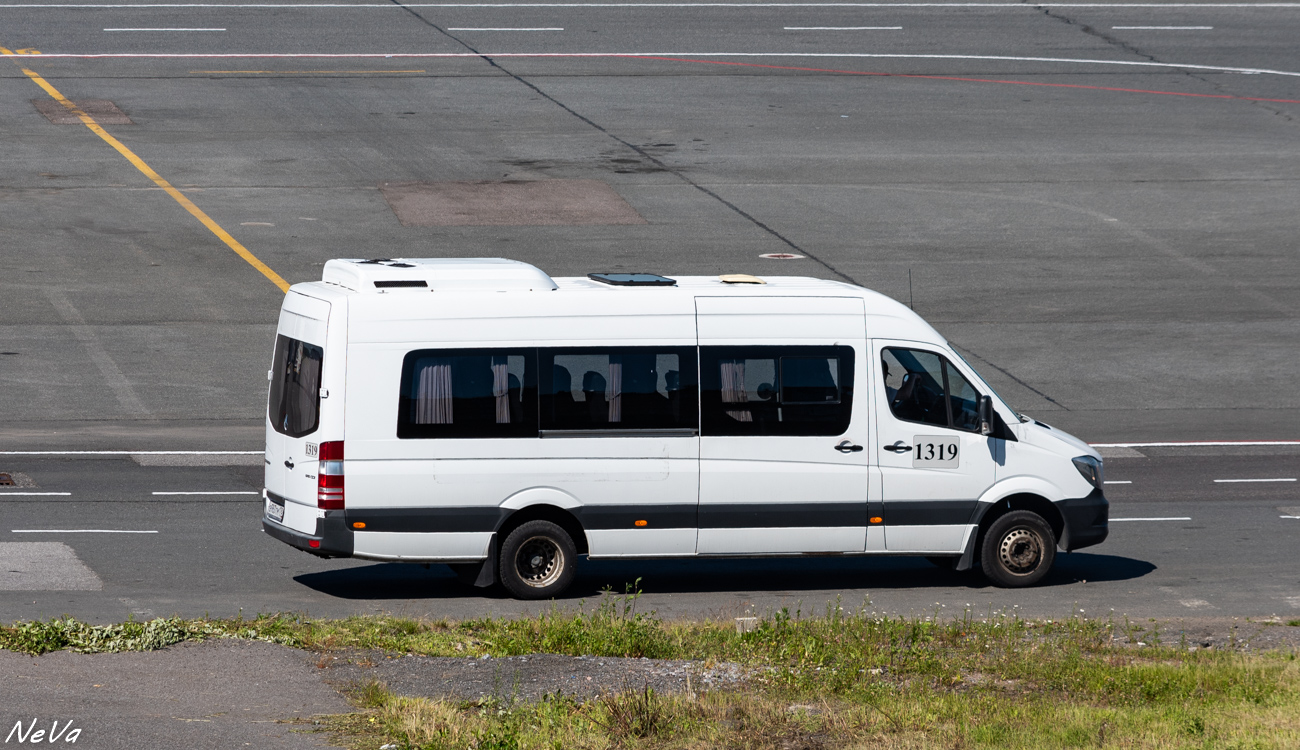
(329, 477)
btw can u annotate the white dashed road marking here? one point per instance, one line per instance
(80, 531)
(242, 492)
(1165, 28)
(164, 29)
(8, 494)
(1118, 481)
(1177, 518)
(1237, 481)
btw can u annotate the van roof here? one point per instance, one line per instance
(405, 285)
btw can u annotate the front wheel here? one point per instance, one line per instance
(538, 561)
(1018, 550)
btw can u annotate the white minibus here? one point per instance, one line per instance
(479, 413)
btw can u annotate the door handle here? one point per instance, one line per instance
(899, 447)
(288, 464)
(848, 447)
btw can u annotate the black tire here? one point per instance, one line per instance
(538, 561)
(1018, 550)
(947, 562)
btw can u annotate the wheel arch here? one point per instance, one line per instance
(1035, 503)
(544, 512)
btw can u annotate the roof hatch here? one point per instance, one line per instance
(631, 279)
(436, 274)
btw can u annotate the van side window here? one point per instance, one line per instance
(776, 390)
(618, 388)
(925, 387)
(468, 393)
(294, 405)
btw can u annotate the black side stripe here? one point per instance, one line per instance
(464, 519)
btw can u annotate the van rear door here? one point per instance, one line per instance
(293, 409)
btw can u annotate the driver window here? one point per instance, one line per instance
(924, 387)
(914, 386)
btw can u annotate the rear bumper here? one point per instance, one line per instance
(1087, 520)
(332, 538)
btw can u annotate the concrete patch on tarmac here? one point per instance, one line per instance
(103, 111)
(199, 459)
(218, 694)
(515, 203)
(44, 566)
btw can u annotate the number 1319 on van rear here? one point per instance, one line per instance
(482, 414)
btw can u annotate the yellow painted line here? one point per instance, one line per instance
(176, 195)
(299, 72)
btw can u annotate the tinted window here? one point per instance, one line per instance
(776, 390)
(924, 387)
(468, 393)
(623, 388)
(294, 403)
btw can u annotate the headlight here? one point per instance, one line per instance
(1091, 470)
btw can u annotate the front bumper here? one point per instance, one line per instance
(332, 538)
(1086, 520)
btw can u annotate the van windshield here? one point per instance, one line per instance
(294, 404)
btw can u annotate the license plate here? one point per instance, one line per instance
(274, 511)
(935, 452)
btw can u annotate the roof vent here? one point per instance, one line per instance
(631, 279)
(740, 278)
(436, 275)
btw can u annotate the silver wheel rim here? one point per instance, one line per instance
(1020, 552)
(539, 562)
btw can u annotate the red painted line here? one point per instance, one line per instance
(965, 80)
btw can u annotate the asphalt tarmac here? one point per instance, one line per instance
(1195, 532)
(1094, 202)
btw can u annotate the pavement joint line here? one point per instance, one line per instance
(80, 531)
(113, 376)
(681, 57)
(148, 171)
(1172, 518)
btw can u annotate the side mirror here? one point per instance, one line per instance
(986, 415)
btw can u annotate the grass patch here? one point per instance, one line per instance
(839, 679)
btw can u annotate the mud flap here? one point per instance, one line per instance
(480, 574)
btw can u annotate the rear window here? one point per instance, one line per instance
(294, 405)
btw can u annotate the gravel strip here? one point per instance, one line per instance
(526, 678)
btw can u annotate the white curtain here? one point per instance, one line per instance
(501, 388)
(614, 389)
(733, 389)
(433, 393)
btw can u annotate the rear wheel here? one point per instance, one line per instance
(538, 561)
(1019, 548)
